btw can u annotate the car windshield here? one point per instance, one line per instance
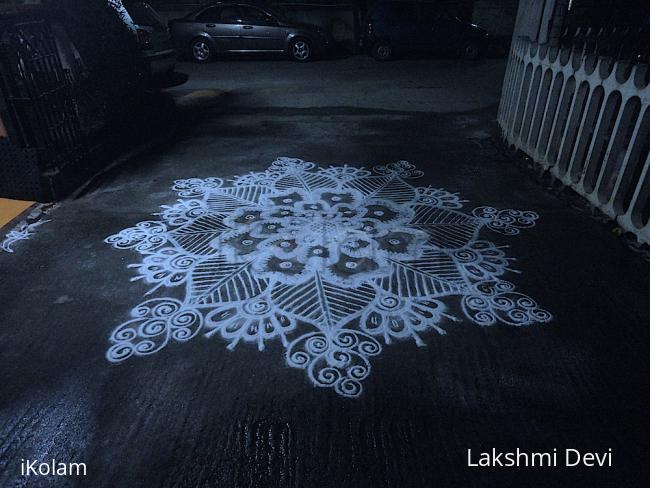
(143, 14)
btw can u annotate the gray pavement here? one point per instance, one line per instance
(443, 85)
(570, 371)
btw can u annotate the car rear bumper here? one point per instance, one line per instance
(161, 61)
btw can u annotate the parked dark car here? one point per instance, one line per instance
(241, 28)
(393, 28)
(154, 38)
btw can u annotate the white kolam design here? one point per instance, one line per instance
(333, 262)
(21, 232)
(26, 228)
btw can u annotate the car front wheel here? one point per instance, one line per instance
(300, 50)
(201, 51)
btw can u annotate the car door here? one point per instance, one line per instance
(261, 31)
(223, 25)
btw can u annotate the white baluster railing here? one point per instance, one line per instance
(587, 120)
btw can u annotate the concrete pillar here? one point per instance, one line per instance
(541, 20)
(497, 17)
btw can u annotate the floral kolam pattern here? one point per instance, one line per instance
(334, 262)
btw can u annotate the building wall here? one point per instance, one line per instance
(610, 13)
(541, 20)
(497, 17)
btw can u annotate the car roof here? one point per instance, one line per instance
(203, 8)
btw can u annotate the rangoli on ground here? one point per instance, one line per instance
(333, 262)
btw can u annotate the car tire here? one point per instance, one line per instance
(201, 51)
(382, 51)
(300, 50)
(471, 50)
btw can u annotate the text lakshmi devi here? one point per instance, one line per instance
(518, 458)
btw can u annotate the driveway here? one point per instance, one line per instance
(323, 275)
(361, 82)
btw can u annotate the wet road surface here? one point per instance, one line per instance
(199, 414)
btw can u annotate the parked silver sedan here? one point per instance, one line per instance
(241, 28)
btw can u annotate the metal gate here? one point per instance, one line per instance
(39, 95)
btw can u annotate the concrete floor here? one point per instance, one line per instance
(198, 414)
(417, 85)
